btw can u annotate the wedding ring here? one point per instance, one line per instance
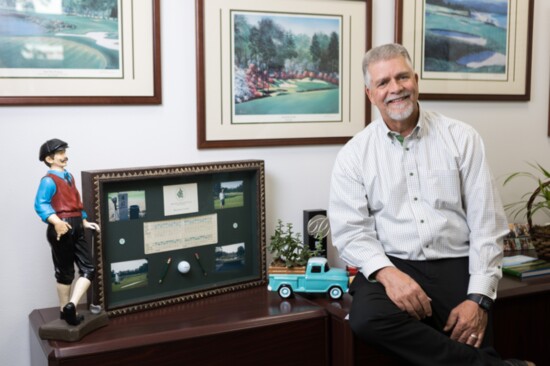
(474, 336)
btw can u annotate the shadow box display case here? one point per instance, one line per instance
(175, 233)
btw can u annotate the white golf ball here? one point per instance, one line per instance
(184, 267)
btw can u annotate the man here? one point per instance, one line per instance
(58, 203)
(414, 207)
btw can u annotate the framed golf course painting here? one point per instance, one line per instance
(468, 49)
(282, 72)
(79, 52)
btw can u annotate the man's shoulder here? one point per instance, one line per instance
(369, 132)
(438, 121)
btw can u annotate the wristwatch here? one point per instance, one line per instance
(484, 302)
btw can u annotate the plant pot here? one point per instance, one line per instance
(277, 269)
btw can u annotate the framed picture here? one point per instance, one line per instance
(65, 53)
(175, 233)
(284, 72)
(468, 50)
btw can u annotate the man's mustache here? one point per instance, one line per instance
(394, 97)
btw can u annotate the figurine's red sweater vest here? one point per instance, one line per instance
(66, 201)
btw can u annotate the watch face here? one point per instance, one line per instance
(485, 303)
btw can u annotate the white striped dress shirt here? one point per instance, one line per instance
(431, 197)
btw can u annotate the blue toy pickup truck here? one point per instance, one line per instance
(317, 278)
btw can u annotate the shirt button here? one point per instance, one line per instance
(411, 174)
(416, 198)
(407, 149)
(421, 221)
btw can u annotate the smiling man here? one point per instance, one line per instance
(413, 205)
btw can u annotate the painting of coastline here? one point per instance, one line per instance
(466, 36)
(60, 38)
(285, 67)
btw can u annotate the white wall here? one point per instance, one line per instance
(103, 137)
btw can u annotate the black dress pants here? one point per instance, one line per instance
(379, 322)
(71, 248)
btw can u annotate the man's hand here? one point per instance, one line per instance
(467, 322)
(405, 292)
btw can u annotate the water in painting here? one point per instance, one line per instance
(466, 36)
(57, 37)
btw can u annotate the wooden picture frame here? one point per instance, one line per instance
(467, 52)
(119, 48)
(175, 233)
(244, 101)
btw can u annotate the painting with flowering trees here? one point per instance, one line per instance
(285, 72)
(286, 67)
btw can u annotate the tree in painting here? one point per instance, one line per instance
(280, 68)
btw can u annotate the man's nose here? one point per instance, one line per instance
(395, 86)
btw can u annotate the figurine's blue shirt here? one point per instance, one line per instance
(46, 190)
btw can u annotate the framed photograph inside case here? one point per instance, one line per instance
(175, 233)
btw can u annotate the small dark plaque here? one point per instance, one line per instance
(316, 225)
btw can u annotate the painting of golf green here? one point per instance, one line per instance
(286, 67)
(466, 36)
(60, 38)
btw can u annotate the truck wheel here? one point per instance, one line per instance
(335, 293)
(285, 292)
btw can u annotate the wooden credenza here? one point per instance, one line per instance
(249, 327)
(256, 327)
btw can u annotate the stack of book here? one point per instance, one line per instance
(522, 266)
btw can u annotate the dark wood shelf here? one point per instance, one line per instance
(249, 327)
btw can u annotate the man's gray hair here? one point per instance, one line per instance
(383, 53)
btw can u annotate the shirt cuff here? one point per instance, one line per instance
(483, 285)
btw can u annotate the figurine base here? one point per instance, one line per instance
(59, 329)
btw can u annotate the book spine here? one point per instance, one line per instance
(511, 272)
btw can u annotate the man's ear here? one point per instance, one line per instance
(49, 159)
(368, 92)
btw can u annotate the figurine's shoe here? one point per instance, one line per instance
(79, 316)
(69, 314)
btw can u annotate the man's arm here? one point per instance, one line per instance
(487, 222)
(352, 226)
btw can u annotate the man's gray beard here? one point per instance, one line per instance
(401, 116)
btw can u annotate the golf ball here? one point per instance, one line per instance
(184, 267)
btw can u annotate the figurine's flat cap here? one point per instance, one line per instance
(50, 147)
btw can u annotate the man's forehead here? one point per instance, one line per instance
(396, 65)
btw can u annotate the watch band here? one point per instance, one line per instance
(484, 302)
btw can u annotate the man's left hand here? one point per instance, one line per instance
(467, 322)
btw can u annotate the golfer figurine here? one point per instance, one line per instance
(58, 204)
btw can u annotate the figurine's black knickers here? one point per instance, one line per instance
(69, 249)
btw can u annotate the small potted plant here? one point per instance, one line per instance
(534, 201)
(288, 251)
